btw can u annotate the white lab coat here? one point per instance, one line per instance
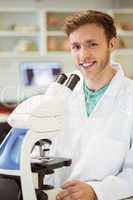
(101, 145)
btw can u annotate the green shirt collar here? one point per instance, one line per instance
(89, 92)
(92, 97)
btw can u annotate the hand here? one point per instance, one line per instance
(76, 190)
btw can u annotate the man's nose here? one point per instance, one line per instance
(85, 53)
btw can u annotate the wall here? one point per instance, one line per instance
(57, 3)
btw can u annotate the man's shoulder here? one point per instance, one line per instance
(128, 82)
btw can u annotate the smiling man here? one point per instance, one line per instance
(98, 132)
(91, 46)
(98, 121)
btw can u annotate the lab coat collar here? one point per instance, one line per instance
(114, 85)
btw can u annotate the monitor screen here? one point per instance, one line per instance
(39, 73)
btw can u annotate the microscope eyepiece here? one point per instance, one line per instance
(61, 78)
(72, 81)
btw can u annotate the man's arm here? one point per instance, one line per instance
(111, 188)
(117, 187)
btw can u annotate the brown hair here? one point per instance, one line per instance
(101, 19)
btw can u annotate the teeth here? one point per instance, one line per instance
(87, 64)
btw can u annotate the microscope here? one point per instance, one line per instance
(35, 122)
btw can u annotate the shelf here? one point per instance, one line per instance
(123, 52)
(19, 10)
(125, 33)
(18, 34)
(19, 54)
(55, 33)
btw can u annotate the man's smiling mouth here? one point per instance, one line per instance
(87, 64)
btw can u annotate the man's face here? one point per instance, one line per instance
(90, 50)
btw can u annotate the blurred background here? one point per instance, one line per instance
(34, 49)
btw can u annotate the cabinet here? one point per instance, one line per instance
(31, 32)
(19, 32)
(124, 24)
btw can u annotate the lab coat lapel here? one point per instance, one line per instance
(106, 103)
(104, 107)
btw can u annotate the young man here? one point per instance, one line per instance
(98, 133)
(98, 126)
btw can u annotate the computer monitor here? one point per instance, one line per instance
(39, 73)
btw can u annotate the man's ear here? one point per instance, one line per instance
(113, 44)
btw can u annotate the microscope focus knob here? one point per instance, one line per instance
(43, 141)
(43, 146)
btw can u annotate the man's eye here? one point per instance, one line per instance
(76, 47)
(93, 45)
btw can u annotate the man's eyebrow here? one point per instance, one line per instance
(75, 43)
(87, 41)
